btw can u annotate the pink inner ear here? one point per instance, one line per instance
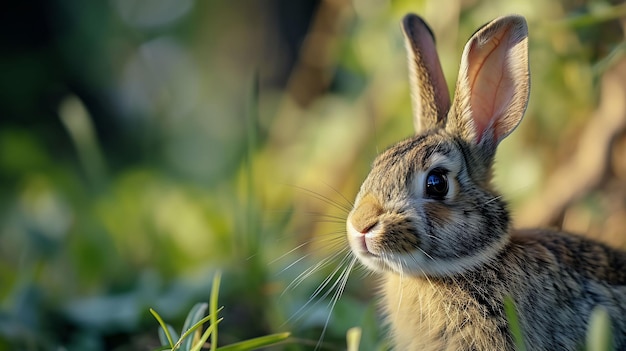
(491, 83)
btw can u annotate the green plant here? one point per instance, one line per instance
(193, 339)
(353, 338)
(599, 331)
(516, 330)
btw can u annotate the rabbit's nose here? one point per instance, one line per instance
(365, 215)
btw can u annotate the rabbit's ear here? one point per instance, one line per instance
(493, 84)
(429, 92)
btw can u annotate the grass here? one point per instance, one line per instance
(194, 335)
(514, 326)
(599, 332)
(193, 338)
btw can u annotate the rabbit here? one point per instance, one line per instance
(428, 219)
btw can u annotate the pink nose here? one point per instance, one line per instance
(365, 215)
(367, 229)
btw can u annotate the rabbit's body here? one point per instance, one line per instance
(428, 218)
(555, 280)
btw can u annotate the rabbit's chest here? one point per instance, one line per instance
(424, 315)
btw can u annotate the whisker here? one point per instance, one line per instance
(291, 251)
(348, 202)
(340, 261)
(425, 254)
(341, 231)
(318, 266)
(329, 241)
(308, 272)
(331, 220)
(326, 199)
(308, 242)
(342, 280)
(312, 299)
(328, 279)
(325, 215)
(329, 237)
(400, 293)
(292, 264)
(493, 199)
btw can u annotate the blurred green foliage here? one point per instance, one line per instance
(146, 144)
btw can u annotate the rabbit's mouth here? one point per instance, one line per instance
(366, 247)
(362, 243)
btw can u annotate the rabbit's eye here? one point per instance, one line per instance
(437, 184)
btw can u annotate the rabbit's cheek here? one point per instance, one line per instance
(400, 237)
(437, 213)
(391, 235)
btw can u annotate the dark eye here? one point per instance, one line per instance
(437, 184)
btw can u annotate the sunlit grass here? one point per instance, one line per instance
(353, 338)
(193, 338)
(599, 332)
(514, 326)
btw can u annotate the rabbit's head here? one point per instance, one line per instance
(427, 206)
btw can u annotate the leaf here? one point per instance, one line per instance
(162, 348)
(213, 308)
(599, 333)
(163, 336)
(188, 332)
(253, 344)
(514, 327)
(196, 314)
(164, 329)
(210, 330)
(353, 338)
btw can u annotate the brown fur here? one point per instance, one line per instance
(539, 270)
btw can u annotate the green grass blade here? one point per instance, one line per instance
(353, 338)
(599, 333)
(163, 336)
(186, 335)
(195, 315)
(213, 308)
(80, 127)
(514, 327)
(253, 344)
(212, 329)
(162, 348)
(164, 327)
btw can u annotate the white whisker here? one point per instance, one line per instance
(317, 294)
(349, 203)
(311, 270)
(343, 207)
(493, 199)
(290, 252)
(342, 280)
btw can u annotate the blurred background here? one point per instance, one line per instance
(145, 145)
